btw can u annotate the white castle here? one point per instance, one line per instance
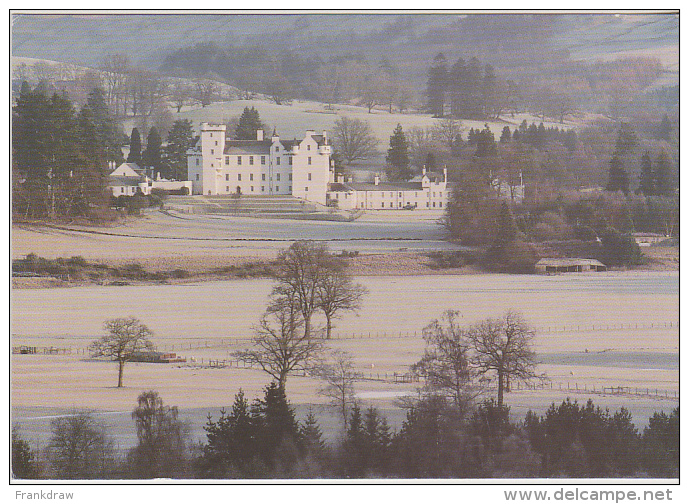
(301, 168)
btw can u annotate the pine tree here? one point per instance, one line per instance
(436, 88)
(665, 128)
(312, 435)
(249, 123)
(398, 157)
(276, 426)
(507, 229)
(457, 88)
(24, 464)
(135, 147)
(663, 177)
(646, 178)
(152, 156)
(618, 179)
(178, 142)
(485, 143)
(506, 135)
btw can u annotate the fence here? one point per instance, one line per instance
(538, 330)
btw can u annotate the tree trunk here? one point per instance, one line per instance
(501, 386)
(328, 326)
(119, 374)
(282, 382)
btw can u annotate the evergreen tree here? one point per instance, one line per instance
(354, 446)
(485, 143)
(665, 129)
(457, 88)
(231, 442)
(312, 435)
(646, 178)
(398, 157)
(135, 147)
(24, 464)
(249, 123)
(152, 156)
(663, 176)
(277, 430)
(179, 140)
(618, 179)
(507, 229)
(106, 127)
(436, 88)
(506, 135)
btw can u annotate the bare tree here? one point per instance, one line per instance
(206, 92)
(301, 270)
(445, 132)
(114, 70)
(78, 447)
(337, 293)
(180, 95)
(280, 346)
(339, 377)
(126, 337)
(446, 363)
(503, 346)
(161, 451)
(354, 139)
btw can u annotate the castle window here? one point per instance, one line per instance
(306, 189)
(277, 188)
(239, 160)
(211, 135)
(399, 194)
(263, 188)
(391, 204)
(197, 161)
(197, 176)
(216, 143)
(277, 177)
(263, 160)
(290, 160)
(382, 205)
(290, 176)
(309, 175)
(399, 204)
(227, 160)
(212, 151)
(122, 188)
(252, 188)
(227, 188)
(440, 194)
(251, 176)
(434, 204)
(308, 147)
(227, 177)
(277, 161)
(290, 188)
(251, 160)
(263, 178)
(239, 176)
(277, 148)
(440, 204)
(309, 160)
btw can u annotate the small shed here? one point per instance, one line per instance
(551, 265)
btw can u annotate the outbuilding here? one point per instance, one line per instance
(551, 265)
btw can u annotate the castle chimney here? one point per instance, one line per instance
(259, 135)
(376, 179)
(423, 170)
(445, 172)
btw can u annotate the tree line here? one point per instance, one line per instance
(436, 440)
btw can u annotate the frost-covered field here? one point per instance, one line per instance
(209, 321)
(181, 235)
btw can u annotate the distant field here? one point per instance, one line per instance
(293, 120)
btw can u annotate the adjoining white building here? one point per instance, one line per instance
(431, 192)
(301, 168)
(129, 179)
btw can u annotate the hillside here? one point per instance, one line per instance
(518, 45)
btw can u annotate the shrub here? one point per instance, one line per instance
(584, 233)
(512, 257)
